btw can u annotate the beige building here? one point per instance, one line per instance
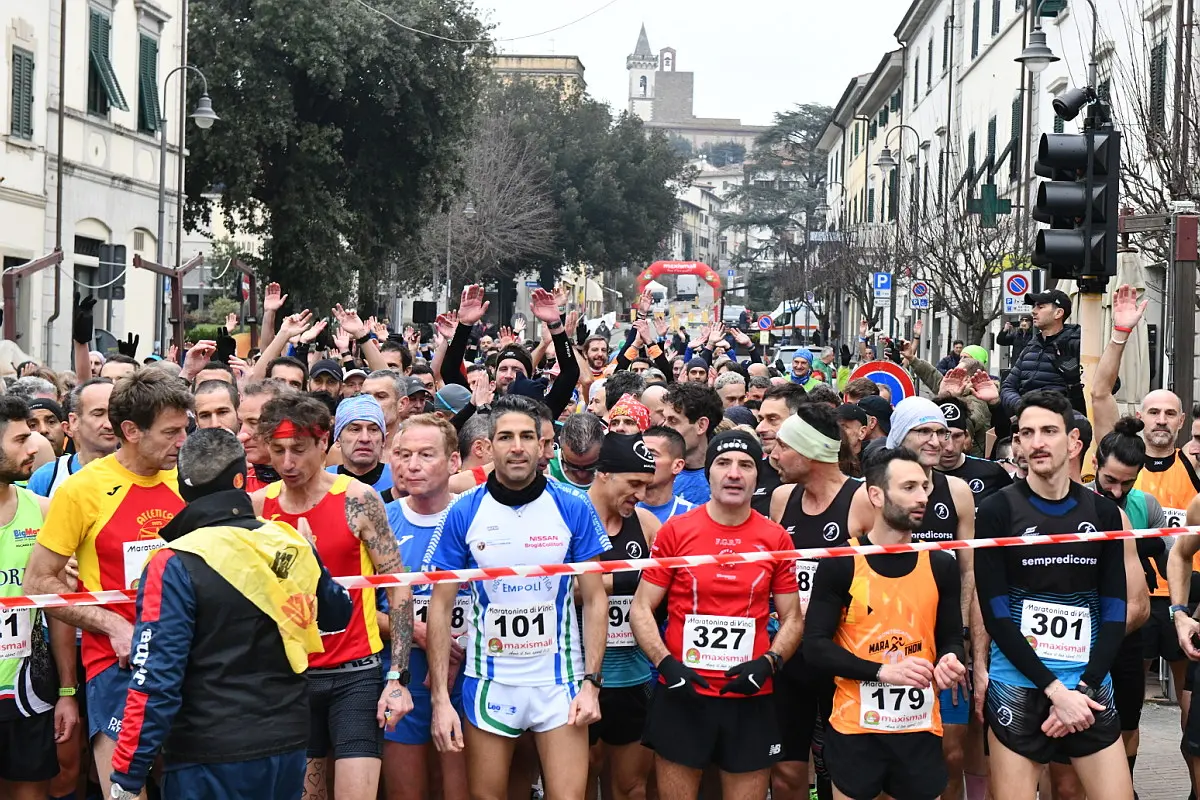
(565, 72)
(117, 53)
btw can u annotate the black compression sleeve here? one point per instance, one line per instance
(831, 588)
(994, 520)
(568, 374)
(455, 352)
(1112, 608)
(948, 634)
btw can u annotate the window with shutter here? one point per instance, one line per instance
(945, 46)
(872, 130)
(991, 141)
(870, 205)
(941, 176)
(104, 90)
(148, 109)
(975, 12)
(1158, 85)
(925, 189)
(916, 81)
(21, 122)
(1014, 160)
(929, 65)
(971, 153)
(995, 17)
(883, 117)
(893, 195)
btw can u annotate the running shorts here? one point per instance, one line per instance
(106, 701)
(1015, 715)
(907, 765)
(27, 750)
(734, 734)
(509, 711)
(342, 707)
(622, 715)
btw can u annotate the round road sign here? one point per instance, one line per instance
(920, 289)
(889, 374)
(1017, 285)
(765, 323)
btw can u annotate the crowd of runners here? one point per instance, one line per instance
(227, 491)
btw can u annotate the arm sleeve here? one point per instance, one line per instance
(334, 606)
(755, 354)
(948, 633)
(568, 375)
(622, 361)
(163, 639)
(461, 417)
(1112, 610)
(661, 363)
(455, 352)
(831, 586)
(991, 584)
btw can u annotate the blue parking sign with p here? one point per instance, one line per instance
(881, 280)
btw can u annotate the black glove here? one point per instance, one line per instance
(226, 346)
(748, 676)
(81, 323)
(679, 678)
(129, 347)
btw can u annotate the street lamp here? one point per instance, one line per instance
(1037, 55)
(204, 117)
(886, 163)
(443, 290)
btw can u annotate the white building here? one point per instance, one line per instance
(117, 53)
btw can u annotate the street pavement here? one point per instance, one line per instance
(1160, 774)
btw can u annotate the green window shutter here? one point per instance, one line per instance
(945, 48)
(1158, 85)
(100, 55)
(1052, 8)
(148, 108)
(21, 122)
(1014, 161)
(893, 195)
(991, 141)
(929, 65)
(975, 29)
(872, 130)
(870, 205)
(971, 153)
(1059, 124)
(883, 117)
(995, 17)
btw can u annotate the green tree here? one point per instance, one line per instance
(339, 132)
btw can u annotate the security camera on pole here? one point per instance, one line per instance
(1080, 200)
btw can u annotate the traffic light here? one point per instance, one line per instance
(112, 272)
(1084, 173)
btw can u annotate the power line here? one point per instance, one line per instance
(411, 29)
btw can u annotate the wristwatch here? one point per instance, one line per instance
(67, 691)
(595, 678)
(775, 659)
(1173, 610)
(118, 793)
(402, 677)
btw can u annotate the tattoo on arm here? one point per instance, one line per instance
(367, 519)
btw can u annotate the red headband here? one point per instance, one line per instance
(289, 430)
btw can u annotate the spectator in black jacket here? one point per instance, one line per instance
(1016, 339)
(950, 360)
(1051, 359)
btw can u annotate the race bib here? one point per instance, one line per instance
(15, 626)
(884, 707)
(717, 643)
(806, 571)
(137, 553)
(1176, 517)
(1057, 631)
(458, 615)
(620, 634)
(520, 631)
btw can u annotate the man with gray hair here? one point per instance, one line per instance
(33, 388)
(732, 388)
(578, 450)
(237, 603)
(387, 386)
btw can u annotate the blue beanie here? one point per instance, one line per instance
(804, 353)
(359, 408)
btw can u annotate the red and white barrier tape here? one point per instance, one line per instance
(674, 562)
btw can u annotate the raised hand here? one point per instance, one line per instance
(642, 326)
(199, 355)
(379, 329)
(644, 301)
(273, 299)
(984, 387)
(129, 346)
(863, 327)
(518, 325)
(341, 340)
(954, 382)
(231, 321)
(740, 337)
(662, 325)
(717, 334)
(295, 324)
(906, 351)
(543, 306)
(349, 321)
(313, 332)
(82, 323)
(506, 336)
(1126, 310)
(413, 337)
(446, 323)
(472, 306)
(572, 321)
(918, 326)
(562, 295)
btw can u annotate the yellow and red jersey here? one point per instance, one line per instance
(344, 555)
(109, 518)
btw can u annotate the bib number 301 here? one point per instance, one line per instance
(884, 707)
(717, 643)
(520, 630)
(1057, 631)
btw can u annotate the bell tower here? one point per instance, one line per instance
(642, 64)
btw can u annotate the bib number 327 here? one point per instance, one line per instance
(1057, 631)
(717, 643)
(884, 707)
(520, 630)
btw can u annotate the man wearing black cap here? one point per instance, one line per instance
(712, 703)
(227, 614)
(1051, 359)
(984, 478)
(47, 418)
(624, 470)
(879, 423)
(325, 376)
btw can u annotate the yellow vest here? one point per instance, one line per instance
(274, 567)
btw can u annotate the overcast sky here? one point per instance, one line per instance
(751, 57)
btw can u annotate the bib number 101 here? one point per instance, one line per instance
(520, 625)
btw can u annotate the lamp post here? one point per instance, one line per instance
(204, 117)
(443, 290)
(1037, 55)
(823, 210)
(886, 163)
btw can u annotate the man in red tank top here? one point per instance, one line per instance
(352, 535)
